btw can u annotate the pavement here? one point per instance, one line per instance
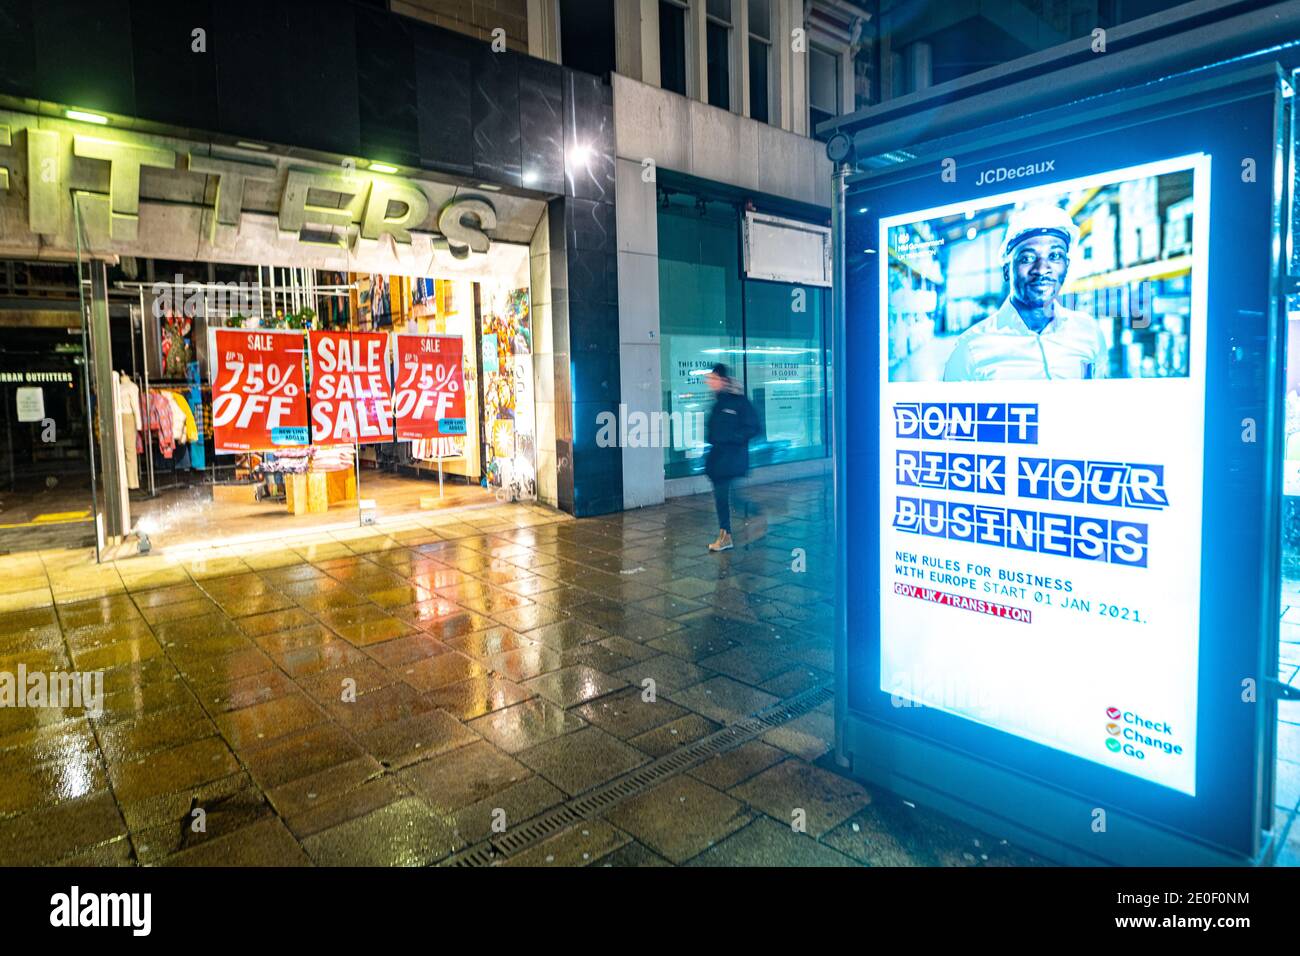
(398, 695)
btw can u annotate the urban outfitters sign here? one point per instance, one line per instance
(55, 173)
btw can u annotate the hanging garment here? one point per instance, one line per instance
(160, 421)
(382, 305)
(191, 428)
(335, 458)
(294, 461)
(431, 449)
(178, 418)
(130, 458)
(128, 401)
(204, 420)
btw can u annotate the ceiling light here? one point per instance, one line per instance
(86, 117)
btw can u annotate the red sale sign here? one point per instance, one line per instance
(351, 398)
(429, 397)
(259, 396)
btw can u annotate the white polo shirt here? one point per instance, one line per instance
(1002, 347)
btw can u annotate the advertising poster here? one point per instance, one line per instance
(525, 461)
(259, 395)
(429, 396)
(351, 397)
(1042, 385)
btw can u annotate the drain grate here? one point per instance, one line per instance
(598, 801)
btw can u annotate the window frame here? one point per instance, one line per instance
(767, 44)
(837, 58)
(733, 60)
(685, 8)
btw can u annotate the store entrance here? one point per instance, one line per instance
(184, 489)
(205, 481)
(46, 498)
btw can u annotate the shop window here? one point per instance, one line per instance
(410, 307)
(700, 318)
(672, 46)
(335, 410)
(771, 334)
(785, 344)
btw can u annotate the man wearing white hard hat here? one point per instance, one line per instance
(1032, 336)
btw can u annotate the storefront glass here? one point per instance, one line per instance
(772, 335)
(187, 238)
(785, 369)
(45, 493)
(262, 403)
(1289, 658)
(700, 319)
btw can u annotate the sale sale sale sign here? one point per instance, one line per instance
(351, 399)
(429, 397)
(259, 398)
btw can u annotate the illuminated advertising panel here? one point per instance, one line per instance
(1058, 430)
(1042, 384)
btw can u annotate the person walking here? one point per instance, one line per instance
(732, 423)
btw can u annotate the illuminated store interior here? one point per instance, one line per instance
(182, 489)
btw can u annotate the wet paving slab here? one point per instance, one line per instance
(390, 697)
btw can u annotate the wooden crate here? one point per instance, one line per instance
(316, 491)
(241, 494)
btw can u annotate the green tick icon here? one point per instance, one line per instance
(1112, 744)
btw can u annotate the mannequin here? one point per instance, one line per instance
(128, 412)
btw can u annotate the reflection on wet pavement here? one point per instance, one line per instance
(389, 696)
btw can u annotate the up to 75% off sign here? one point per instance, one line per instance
(429, 399)
(259, 393)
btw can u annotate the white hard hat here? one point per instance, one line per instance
(1041, 220)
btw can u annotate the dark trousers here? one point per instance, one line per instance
(722, 490)
(722, 501)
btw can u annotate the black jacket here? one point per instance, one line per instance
(732, 423)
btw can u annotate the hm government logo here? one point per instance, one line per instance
(75, 908)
